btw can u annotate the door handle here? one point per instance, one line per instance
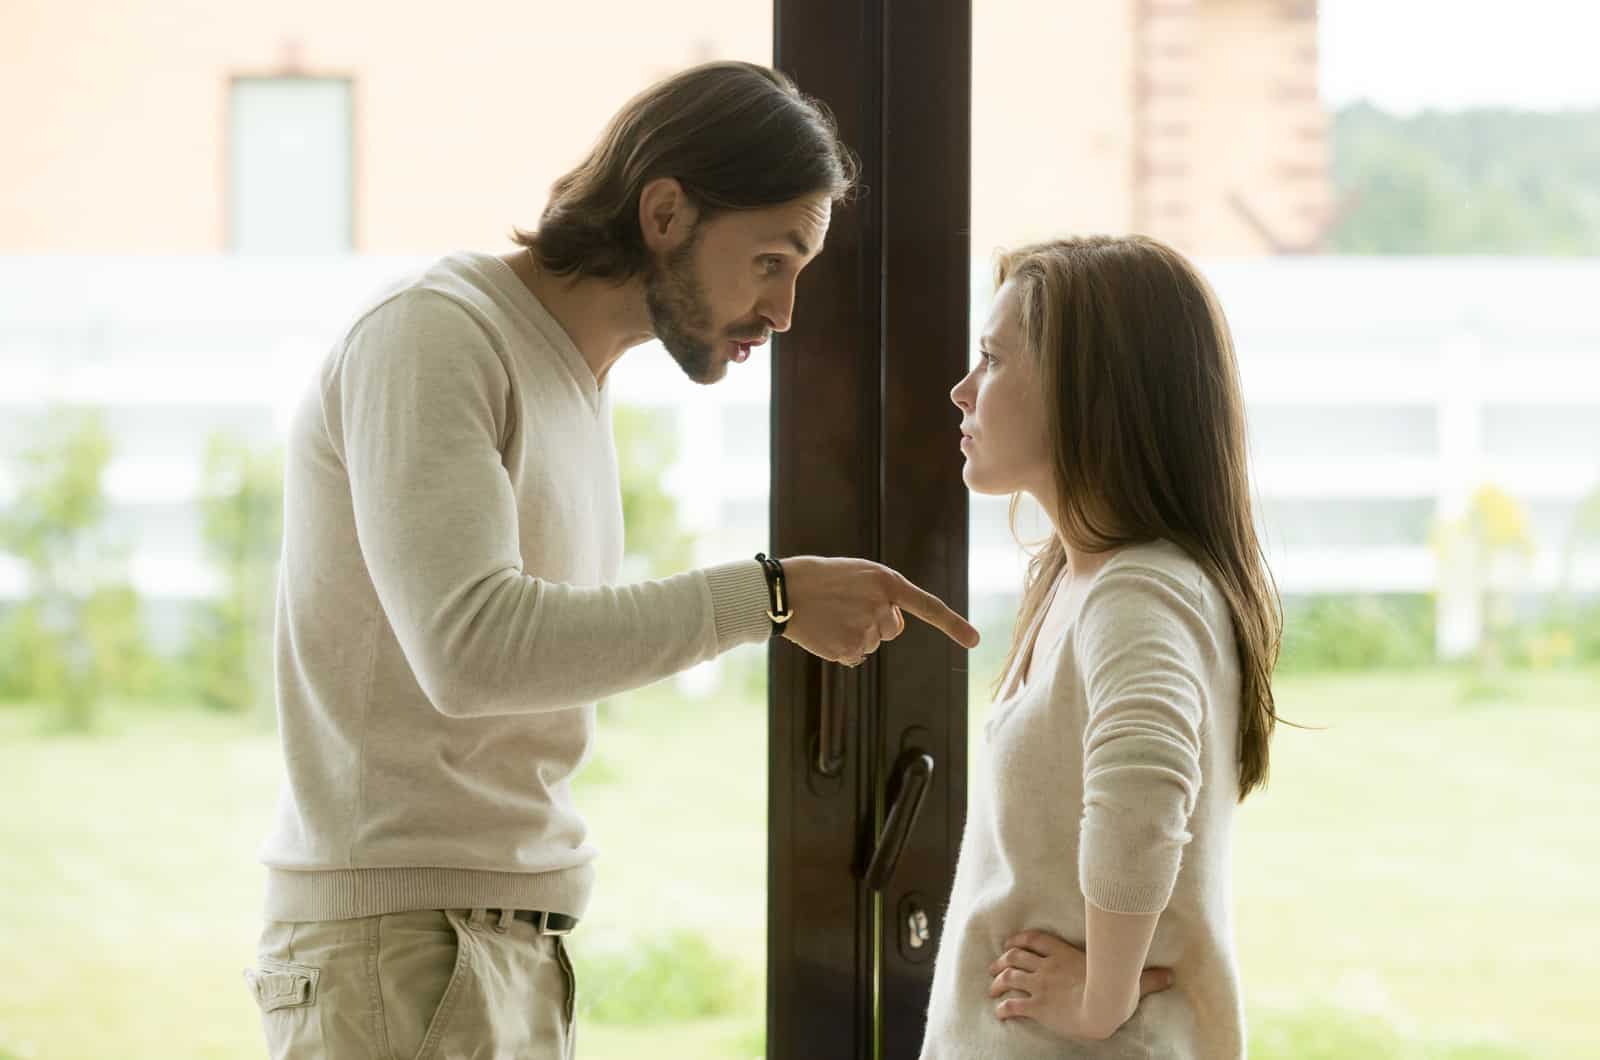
(912, 778)
(831, 718)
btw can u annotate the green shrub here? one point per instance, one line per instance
(1555, 633)
(1357, 632)
(657, 544)
(667, 979)
(227, 664)
(78, 634)
(1580, 623)
(1586, 634)
(30, 657)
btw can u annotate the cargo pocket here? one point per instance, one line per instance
(286, 993)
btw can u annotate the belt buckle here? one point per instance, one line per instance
(543, 924)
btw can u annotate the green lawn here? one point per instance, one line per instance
(1431, 865)
(1417, 882)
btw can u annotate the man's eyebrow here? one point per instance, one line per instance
(799, 243)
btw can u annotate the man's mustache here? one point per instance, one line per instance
(757, 335)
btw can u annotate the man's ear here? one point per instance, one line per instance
(666, 215)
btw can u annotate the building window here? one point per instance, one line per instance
(290, 166)
(1357, 432)
(1545, 433)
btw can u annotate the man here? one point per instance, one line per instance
(453, 527)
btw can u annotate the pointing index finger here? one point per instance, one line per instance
(933, 611)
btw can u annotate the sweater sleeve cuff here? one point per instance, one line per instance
(739, 603)
(1119, 880)
(1124, 896)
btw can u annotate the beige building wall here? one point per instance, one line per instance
(1258, 174)
(1194, 120)
(464, 113)
(1052, 140)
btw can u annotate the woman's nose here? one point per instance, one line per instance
(958, 395)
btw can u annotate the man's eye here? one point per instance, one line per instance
(771, 263)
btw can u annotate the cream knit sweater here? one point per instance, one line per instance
(1111, 777)
(446, 617)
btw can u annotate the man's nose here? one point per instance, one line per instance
(779, 310)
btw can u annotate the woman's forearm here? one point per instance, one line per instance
(1117, 946)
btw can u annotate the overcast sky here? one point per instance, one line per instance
(1405, 55)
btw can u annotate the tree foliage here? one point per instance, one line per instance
(1487, 181)
(77, 633)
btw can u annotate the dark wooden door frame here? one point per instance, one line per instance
(865, 462)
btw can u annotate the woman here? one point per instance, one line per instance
(1135, 708)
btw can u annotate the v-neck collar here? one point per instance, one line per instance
(540, 320)
(1015, 685)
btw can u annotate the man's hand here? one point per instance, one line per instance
(845, 608)
(1045, 978)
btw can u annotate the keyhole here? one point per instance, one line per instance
(917, 928)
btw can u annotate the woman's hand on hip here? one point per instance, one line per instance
(1041, 977)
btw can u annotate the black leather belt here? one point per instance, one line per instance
(548, 923)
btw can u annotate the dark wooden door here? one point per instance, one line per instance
(868, 766)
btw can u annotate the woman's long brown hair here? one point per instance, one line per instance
(1147, 429)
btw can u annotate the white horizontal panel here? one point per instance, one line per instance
(1333, 479)
(178, 577)
(156, 577)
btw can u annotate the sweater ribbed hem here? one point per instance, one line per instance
(739, 603)
(344, 894)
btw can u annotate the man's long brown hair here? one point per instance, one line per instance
(1146, 422)
(737, 136)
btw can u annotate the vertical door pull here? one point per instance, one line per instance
(830, 719)
(912, 779)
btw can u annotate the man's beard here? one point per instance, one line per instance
(679, 314)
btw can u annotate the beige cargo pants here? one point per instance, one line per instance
(456, 983)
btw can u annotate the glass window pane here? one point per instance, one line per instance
(172, 345)
(1407, 264)
(291, 166)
